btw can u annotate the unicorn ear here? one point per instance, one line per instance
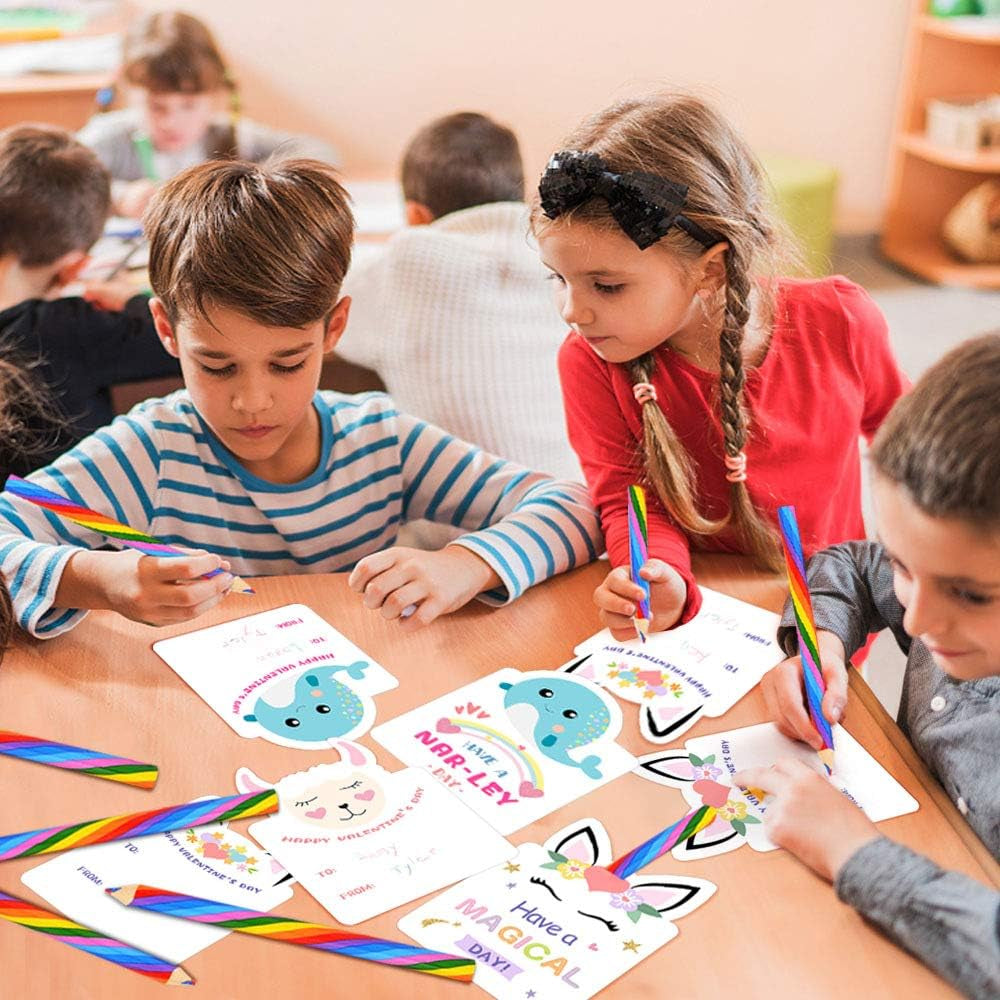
(675, 896)
(353, 753)
(660, 722)
(586, 840)
(668, 767)
(248, 782)
(718, 837)
(583, 667)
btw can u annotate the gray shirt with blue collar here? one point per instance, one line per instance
(946, 919)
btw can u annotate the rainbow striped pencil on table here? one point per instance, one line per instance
(19, 911)
(308, 935)
(666, 840)
(805, 628)
(638, 551)
(104, 525)
(79, 759)
(100, 831)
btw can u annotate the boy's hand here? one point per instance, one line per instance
(437, 583)
(110, 295)
(809, 816)
(147, 589)
(134, 197)
(784, 691)
(618, 598)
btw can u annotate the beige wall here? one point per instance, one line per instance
(811, 77)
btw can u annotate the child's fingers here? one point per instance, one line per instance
(184, 596)
(622, 627)
(380, 588)
(430, 608)
(370, 567)
(169, 569)
(784, 696)
(404, 597)
(835, 698)
(774, 779)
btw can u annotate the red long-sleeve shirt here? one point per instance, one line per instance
(828, 377)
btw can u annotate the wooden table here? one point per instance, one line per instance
(64, 99)
(773, 930)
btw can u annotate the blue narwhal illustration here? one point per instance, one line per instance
(559, 714)
(321, 708)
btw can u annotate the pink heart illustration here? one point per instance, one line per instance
(366, 796)
(212, 850)
(601, 880)
(528, 791)
(711, 792)
(593, 947)
(653, 678)
(444, 726)
(316, 813)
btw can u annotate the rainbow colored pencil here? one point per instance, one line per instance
(638, 550)
(309, 935)
(666, 840)
(79, 759)
(103, 525)
(19, 911)
(805, 627)
(99, 831)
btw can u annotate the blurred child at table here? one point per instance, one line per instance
(54, 197)
(178, 84)
(252, 462)
(692, 367)
(455, 314)
(934, 580)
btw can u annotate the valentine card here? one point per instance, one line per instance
(284, 675)
(554, 922)
(363, 840)
(515, 746)
(703, 768)
(700, 668)
(208, 861)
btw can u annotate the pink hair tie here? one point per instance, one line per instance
(737, 466)
(644, 392)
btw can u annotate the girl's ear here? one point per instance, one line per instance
(586, 841)
(712, 269)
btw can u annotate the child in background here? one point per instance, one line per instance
(178, 82)
(455, 314)
(54, 197)
(935, 581)
(689, 365)
(252, 462)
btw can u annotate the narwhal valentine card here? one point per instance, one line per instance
(363, 840)
(515, 746)
(702, 771)
(284, 675)
(554, 922)
(700, 668)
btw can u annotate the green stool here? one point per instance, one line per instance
(804, 192)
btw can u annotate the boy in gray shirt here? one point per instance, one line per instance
(935, 582)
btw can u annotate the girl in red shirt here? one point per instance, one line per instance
(690, 366)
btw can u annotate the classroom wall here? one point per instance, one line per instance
(798, 76)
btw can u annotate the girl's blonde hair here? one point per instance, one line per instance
(173, 52)
(683, 139)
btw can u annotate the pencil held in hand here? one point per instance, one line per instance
(638, 554)
(805, 627)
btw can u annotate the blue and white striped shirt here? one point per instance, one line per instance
(162, 471)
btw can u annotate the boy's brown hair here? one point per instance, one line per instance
(460, 161)
(940, 441)
(271, 241)
(55, 194)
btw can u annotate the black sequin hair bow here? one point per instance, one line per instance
(644, 205)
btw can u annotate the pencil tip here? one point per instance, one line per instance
(179, 977)
(124, 893)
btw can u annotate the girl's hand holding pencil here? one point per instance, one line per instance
(784, 692)
(617, 598)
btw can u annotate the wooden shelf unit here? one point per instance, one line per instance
(943, 61)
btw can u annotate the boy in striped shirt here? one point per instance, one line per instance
(255, 465)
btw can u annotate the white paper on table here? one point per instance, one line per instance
(285, 675)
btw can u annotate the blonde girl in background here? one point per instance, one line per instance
(692, 367)
(183, 108)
